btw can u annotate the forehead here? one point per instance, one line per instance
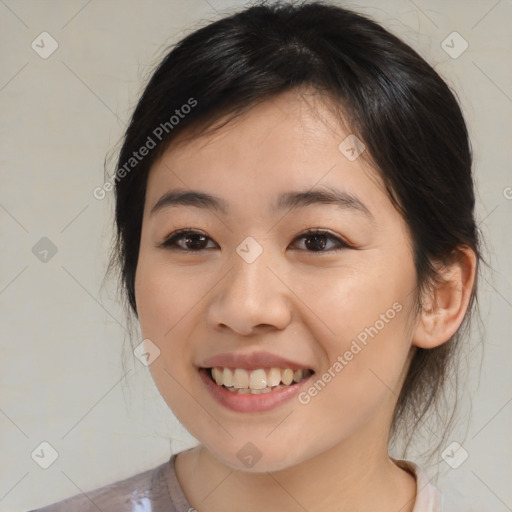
(291, 142)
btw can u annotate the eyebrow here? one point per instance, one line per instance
(287, 200)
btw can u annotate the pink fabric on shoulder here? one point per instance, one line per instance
(428, 496)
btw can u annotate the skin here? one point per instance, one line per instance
(308, 306)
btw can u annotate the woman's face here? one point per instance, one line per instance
(249, 286)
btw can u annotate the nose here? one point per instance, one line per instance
(250, 298)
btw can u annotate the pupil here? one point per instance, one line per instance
(319, 242)
(193, 241)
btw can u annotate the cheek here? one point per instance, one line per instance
(347, 302)
(164, 303)
(162, 309)
(363, 331)
(363, 374)
(164, 297)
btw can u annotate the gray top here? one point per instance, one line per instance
(154, 490)
(158, 490)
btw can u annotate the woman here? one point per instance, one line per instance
(296, 236)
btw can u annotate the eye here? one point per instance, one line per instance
(318, 239)
(187, 240)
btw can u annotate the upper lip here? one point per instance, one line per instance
(251, 361)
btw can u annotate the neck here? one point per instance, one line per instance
(353, 475)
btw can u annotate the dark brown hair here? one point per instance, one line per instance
(395, 102)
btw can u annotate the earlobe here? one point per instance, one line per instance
(446, 303)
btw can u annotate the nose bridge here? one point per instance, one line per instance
(250, 273)
(250, 295)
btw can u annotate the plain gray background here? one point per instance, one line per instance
(62, 377)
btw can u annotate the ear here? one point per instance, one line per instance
(445, 304)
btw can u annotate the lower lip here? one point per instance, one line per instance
(248, 402)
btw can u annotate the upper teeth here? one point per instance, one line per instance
(256, 379)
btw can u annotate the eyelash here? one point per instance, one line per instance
(170, 241)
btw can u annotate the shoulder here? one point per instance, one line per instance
(428, 496)
(135, 493)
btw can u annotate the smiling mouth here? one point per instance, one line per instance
(258, 381)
